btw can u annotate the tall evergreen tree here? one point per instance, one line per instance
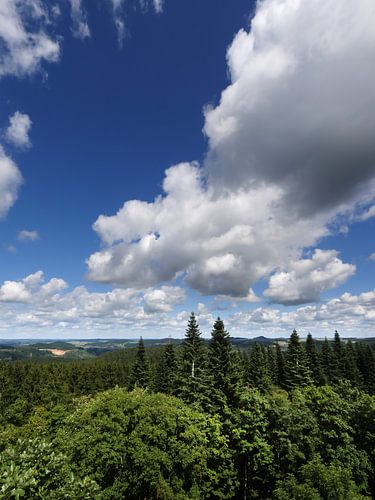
(351, 371)
(338, 357)
(222, 368)
(258, 374)
(193, 383)
(280, 366)
(297, 371)
(313, 360)
(141, 369)
(327, 361)
(166, 379)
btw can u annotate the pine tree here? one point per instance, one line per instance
(221, 364)
(141, 370)
(271, 364)
(297, 371)
(314, 361)
(166, 380)
(193, 385)
(366, 365)
(327, 361)
(280, 366)
(338, 358)
(258, 374)
(351, 371)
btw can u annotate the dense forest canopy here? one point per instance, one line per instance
(195, 420)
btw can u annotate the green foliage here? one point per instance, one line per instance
(141, 368)
(317, 481)
(256, 425)
(141, 445)
(297, 371)
(33, 469)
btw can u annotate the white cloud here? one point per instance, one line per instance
(18, 131)
(10, 181)
(13, 291)
(26, 235)
(222, 245)
(80, 27)
(352, 315)
(32, 306)
(33, 303)
(23, 48)
(306, 279)
(163, 299)
(299, 113)
(290, 149)
(372, 256)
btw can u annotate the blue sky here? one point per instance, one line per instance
(251, 166)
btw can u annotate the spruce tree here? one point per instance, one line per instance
(271, 364)
(141, 370)
(222, 368)
(258, 374)
(338, 357)
(166, 379)
(193, 386)
(327, 361)
(297, 371)
(280, 366)
(351, 371)
(314, 361)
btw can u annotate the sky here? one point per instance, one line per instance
(161, 157)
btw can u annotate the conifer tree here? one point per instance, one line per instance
(222, 369)
(366, 365)
(280, 366)
(351, 371)
(297, 371)
(271, 363)
(314, 361)
(338, 357)
(193, 383)
(166, 380)
(257, 373)
(327, 361)
(141, 369)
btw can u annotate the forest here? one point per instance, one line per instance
(200, 419)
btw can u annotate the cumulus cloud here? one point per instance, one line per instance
(372, 256)
(352, 315)
(18, 131)
(27, 235)
(222, 245)
(20, 291)
(290, 150)
(300, 111)
(33, 305)
(306, 279)
(34, 302)
(80, 27)
(163, 299)
(25, 44)
(10, 180)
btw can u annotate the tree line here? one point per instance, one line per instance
(193, 421)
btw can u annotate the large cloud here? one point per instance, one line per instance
(306, 279)
(223, 245)
(290, 148)
(300, 110)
